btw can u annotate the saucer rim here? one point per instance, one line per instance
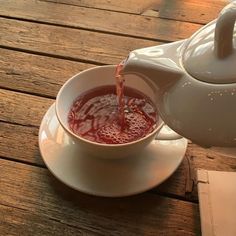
(103, 194)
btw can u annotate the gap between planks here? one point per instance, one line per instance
(68, 58)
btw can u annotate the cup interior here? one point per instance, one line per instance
(92, 78)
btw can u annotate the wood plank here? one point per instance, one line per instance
(20, 143)
(194, 11)
(210, 159)
(36, 74)
(70, 43)
(35, 190)
(22, 108)
(16, 221)
(189, 11)
(131, 6)
(95, 19)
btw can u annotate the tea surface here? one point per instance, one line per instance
(95, 116)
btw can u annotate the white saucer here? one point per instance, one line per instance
(104, 177)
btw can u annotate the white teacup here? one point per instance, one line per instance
(100, 76)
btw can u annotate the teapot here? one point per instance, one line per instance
(195, 81)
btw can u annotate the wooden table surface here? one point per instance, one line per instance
(42, 44)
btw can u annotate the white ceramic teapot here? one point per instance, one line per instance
(195, 81)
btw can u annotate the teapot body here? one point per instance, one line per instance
(202, 112)
(195, 81)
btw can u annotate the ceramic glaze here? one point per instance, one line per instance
(210, 51)
(195, 83)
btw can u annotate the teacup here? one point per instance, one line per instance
(90, 79)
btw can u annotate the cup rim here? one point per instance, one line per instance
(160, 122)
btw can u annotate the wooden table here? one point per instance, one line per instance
(42, 44)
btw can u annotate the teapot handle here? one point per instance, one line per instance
(223, 44)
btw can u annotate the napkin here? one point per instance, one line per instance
(217, 201)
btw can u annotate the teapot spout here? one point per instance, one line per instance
(156, 64)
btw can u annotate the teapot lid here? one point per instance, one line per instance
(210, 54)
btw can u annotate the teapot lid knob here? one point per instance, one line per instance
(210, 54)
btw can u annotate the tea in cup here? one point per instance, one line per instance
(87, 109)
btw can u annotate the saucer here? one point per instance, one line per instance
(104, 177)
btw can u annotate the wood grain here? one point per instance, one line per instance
(16, 221)
(70, 43)
(42, 44)
(22, 109)
(194, 11)
(131, 6)
(36, 74)
(35, 191)
(190, 11)
(96, 19)
(20, 143)
(211, 160)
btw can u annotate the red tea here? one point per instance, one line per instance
(95, 115)
(120, 93)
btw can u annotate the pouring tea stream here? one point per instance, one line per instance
(195, 81)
